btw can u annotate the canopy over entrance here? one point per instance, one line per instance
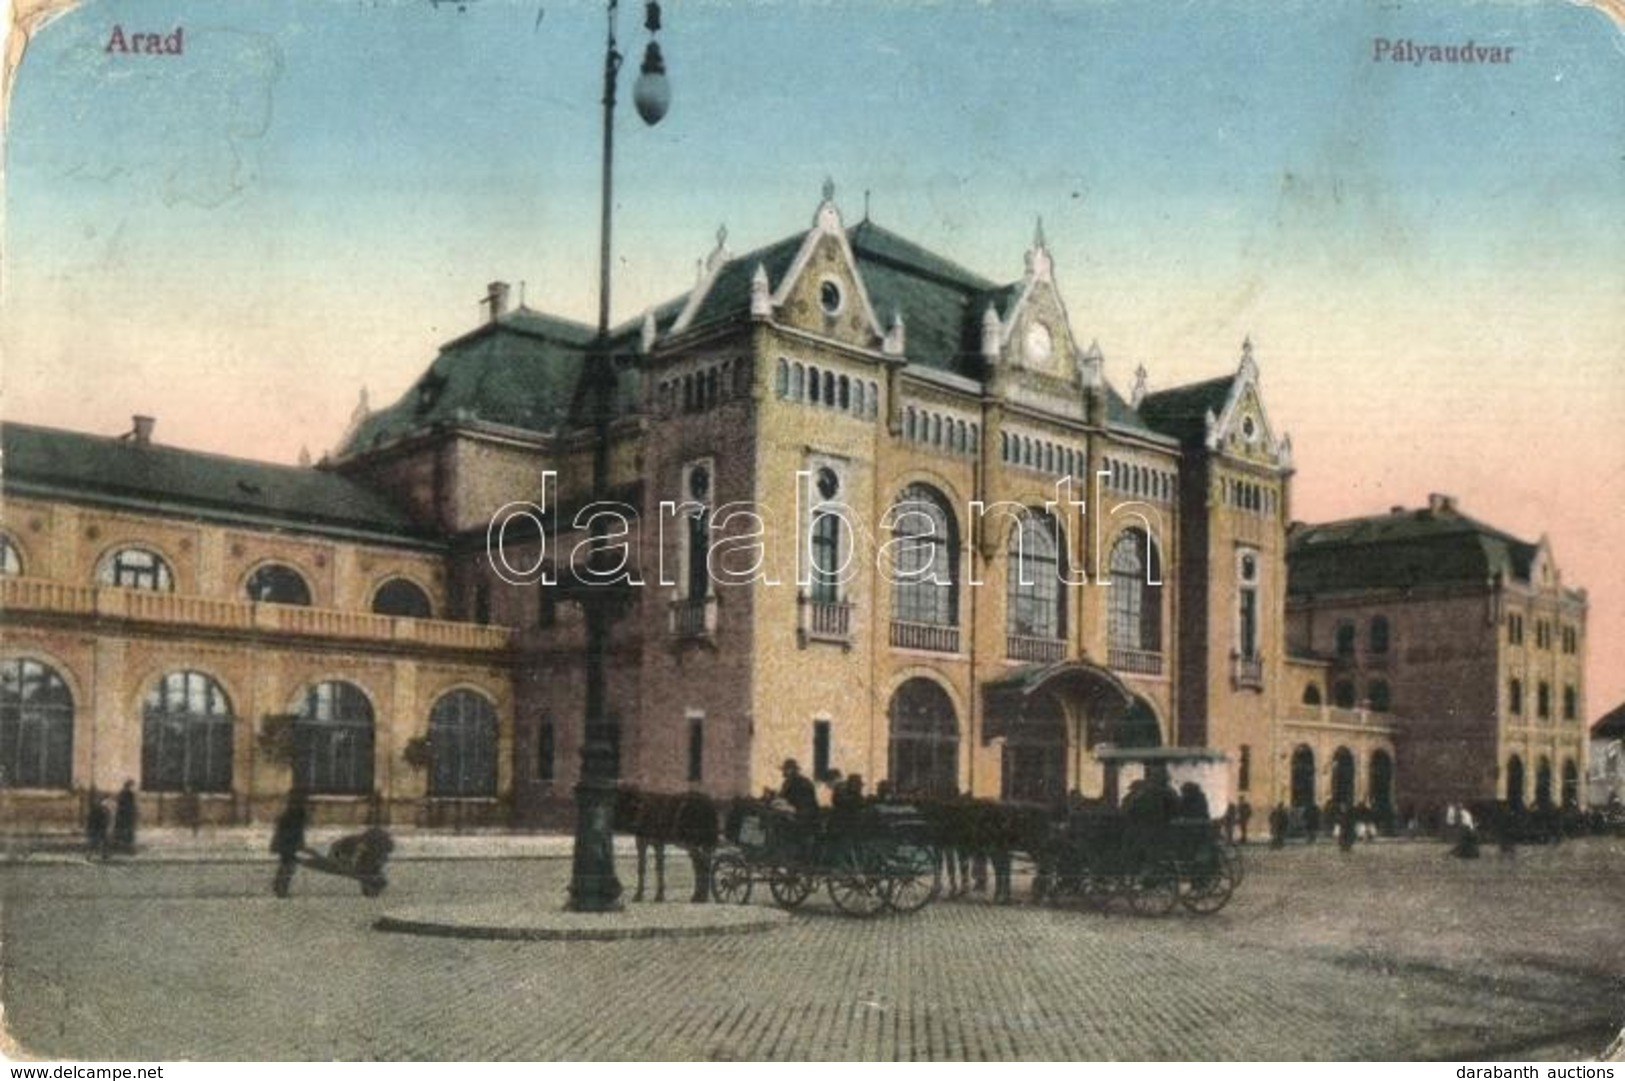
(1112, 712)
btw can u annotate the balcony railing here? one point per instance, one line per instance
(823, 621)
(1247, 671)
(178, 609)
(938, 638)
(1139, 662)
(691, 618)
(1025, 647)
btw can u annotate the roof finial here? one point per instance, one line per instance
(829, 189)
(1138, 396)
(1038, 233)
(865, 204)
(722, 236)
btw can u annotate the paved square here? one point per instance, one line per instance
(1394, 951)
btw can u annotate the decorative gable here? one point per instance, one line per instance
(823, 292)
(1242, 428)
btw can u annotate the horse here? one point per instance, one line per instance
(655, 819)
(978, 831)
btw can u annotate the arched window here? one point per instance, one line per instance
(402, 598)
(332, 740)
(1303, 776)
(829, 388)
(1345, 639)
(276, 583)
(136, 568)
(1378, 639)
(1543, 783)
(925, 547)
(781, 378)
(186, 733)
(1515, 781)
(843, 392)
(1382, 787)
(463, 746)
(1343, 777)
(924, 748)
(1571, 785)
(1311, 694)
(1343, 694)
(1037, 602)
(798, 375)
(11, 563)
(825, 549)
(36, 726)
(1134, 605)
(1378, 696)
(1515, 697)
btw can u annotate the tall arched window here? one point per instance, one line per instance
(1311, 694)
(1134, 604)
(1378, 696)
(186, 735)
(1382, 786)
(925, 548)
(1344, 695)
(136, 568)
(277, 583)
(1378, 639)
(1303, 776)
(1037, 602)
(36, 726)
(11, 563)
(1543, 783)
(403, 599)
(1515, 794)
(463, 746)
(1345, 639)
(332, 740)
(1343, 777)
(924, 748)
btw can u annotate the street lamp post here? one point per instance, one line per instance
(593, 884)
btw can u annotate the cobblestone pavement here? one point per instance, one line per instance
(1394, 951)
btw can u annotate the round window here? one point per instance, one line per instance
(699, 482)
(829, 297)
(828, 483)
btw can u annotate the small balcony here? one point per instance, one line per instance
(823, 621)
(1136, 662)
(938, 638)
(1026, 647)
(1247, 672)
(691, 618)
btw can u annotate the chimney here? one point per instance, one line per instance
(141, 435)
(1440, 503)
(496, 296)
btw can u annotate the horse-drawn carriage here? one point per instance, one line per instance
(879, 858)
(1103, 855)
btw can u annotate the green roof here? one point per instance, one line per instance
(1182, 411)
(1402, 549)
(147, 477)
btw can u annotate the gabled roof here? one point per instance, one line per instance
(1610, 725)
(1403, 548)
(1182, 411)
(98, 470)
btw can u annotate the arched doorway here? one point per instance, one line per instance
(1035, 753)
(1571, 785)
(1515, 781)
(1303, 777)
(924, 745)
(1382, 787)
(1543, 783)
(1343, 777)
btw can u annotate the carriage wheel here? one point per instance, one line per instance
(1155, 890)
(1231, 855)
(789, 887)
(856, 893)
(730, 880)
(915, 878)
(1208, 885)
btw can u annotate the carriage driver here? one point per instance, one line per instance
(798, 792)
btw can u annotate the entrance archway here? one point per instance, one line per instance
(1343, 777)
(1035, 753)
(924, 746)
(1303, 776)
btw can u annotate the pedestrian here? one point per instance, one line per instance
(1279, 821)
(1244, 814)
(124, 820)
(289, 840)
(96, 820)
(1229, 823)
(1345, 828)
(1311, 822)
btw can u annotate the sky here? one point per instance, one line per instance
(1429, 258)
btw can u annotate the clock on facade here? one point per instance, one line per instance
(1039, 345)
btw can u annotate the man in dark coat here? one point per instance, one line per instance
(1244, 815)
(288, 841)
(798, 791)
(124, 820)
(96, 827)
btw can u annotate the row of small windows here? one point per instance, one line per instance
(272, 583)
(1543, 700)
(797, 382)
(1378, 695)
(1247, 496)
(1040, 454)
(707, 388)
(188, 728)
(1569, 636)
(1139, 481)
(943, 432)
(1377, 636)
